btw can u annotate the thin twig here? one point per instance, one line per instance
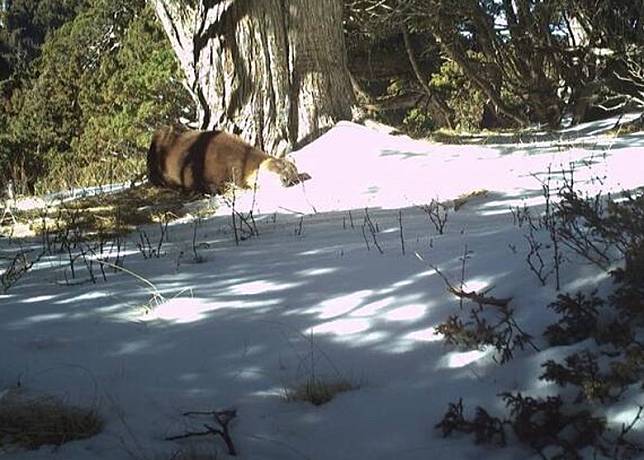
(155, 292)
(402, 236)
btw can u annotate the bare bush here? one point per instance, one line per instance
(221, 418)
(437, 213)
(17, 267)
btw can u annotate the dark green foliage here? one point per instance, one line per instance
(464, 98)
(626, 227)
(486, 429)
(490, 323)
(596, 227)
(104, 80)
(131, 94)
(25, 25)
(536, 422)
(629, 295)
(541, 423)
(455, 332)
(579, 318)
(602, 230)
(581, 370)
(46, 115)
(418, 122)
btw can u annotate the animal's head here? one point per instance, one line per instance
(289, 175)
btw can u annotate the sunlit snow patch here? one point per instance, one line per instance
(40, 298)
(86, 296)
(340, 305)
(407, 313)
(462, 359)
(316, 272)
(586, 282)
(476, 284)
(373, 308)
(626, 417)
(260, 287)
(425, 335)
(369, 338)
(343, 327)
(412, 340)
(182, 310)
(43, 318)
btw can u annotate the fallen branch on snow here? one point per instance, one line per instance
(223, 418)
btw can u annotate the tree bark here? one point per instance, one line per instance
(273, 71)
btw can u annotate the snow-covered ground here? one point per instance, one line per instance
(308, 295)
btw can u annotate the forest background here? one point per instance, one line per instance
(83, 83)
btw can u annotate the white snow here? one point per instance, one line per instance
(307, 295)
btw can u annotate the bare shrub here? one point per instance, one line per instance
(437, 213)
(17, 267)
(368, 226)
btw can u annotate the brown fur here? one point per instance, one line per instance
(204, 161)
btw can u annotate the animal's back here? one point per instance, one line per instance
(155, 174)
(161, 146)
(205, 160)
(171, 157)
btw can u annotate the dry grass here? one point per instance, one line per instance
(630, 127)
(31, 423)
(318, 391)
(192, 452)
(112, 213)
(484, 136)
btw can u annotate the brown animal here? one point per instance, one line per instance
(204, 161)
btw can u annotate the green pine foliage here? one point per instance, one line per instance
(83, 114)
(465, 99)
(134, 92)
(611, 364)
(24, 27)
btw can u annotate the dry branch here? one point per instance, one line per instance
(222, 418)
(480, 299)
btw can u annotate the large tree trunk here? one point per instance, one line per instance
(273, 71)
